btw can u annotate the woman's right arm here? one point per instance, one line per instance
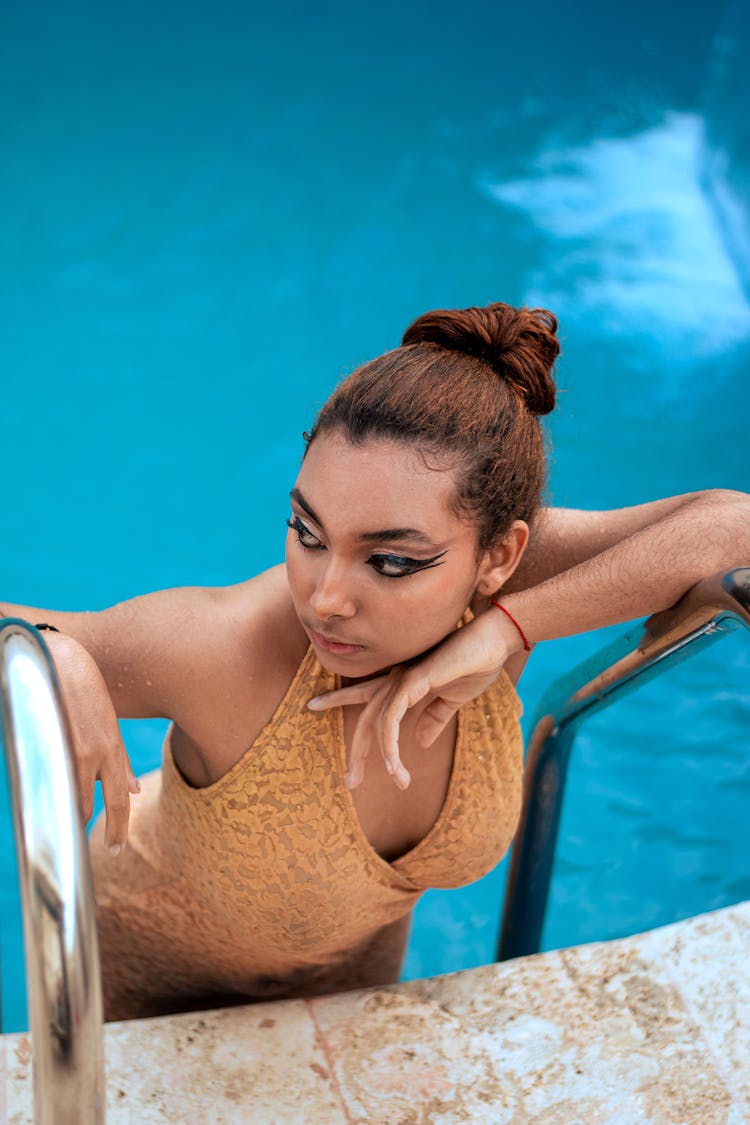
(98, 750)
(129, 661)
(131, 644)
(215, 660)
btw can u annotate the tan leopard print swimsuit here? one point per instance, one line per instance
(264, 884)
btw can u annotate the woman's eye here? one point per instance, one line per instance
(304, 535)
(393, 566)
(396, 566)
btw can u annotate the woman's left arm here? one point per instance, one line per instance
(590, 569)
(564, 537)
(585, 570)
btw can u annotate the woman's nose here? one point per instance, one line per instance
(332, 596)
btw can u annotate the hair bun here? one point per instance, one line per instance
(520, 345)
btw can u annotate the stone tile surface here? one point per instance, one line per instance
(653, 1029)
(262, 1064)
(538, 1040)
(708, 959)
(398, 1059)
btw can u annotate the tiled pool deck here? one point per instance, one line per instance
(652, 1028)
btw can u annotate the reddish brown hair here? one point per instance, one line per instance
(466, 384)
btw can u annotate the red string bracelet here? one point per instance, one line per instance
(526, 645)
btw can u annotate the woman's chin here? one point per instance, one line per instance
(361, 665)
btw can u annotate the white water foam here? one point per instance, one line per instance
(634, 241)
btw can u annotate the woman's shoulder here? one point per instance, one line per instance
(245, 636)
(242, 649)
(259, 622)
(165, 652)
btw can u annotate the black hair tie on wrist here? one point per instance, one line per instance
(43, 625)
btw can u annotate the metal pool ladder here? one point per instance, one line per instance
(59, 921)
(711, 609)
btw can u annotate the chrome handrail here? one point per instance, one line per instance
(57, 894)
(711, 609)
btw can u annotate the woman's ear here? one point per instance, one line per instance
(499, 562)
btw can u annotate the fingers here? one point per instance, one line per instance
(365, 737)
(412, 687)
(106, 760)
(369, 734)
(433, 721)
(379, 724)
(116, 790)
(390, 724)
(86, 780)
(344, 697)
(458, 670)
(98, 750)
(387, 700)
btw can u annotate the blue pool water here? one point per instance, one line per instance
(211, 213)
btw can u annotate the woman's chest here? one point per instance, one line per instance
(315, 750)
(394, 820)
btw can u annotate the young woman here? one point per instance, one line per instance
(345, 726)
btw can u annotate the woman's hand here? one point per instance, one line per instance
(98, 748)
(588, 570)
(459, 669)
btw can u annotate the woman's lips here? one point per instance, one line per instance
(329, 645)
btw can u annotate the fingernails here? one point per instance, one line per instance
(403, 779)
(353, 779)
(314, 704)
(115, 849)
(389, 766)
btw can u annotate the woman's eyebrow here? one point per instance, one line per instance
(384, 535)
(388, 534)
(298, 498)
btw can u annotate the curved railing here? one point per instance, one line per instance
(708, 611)
(62, 953)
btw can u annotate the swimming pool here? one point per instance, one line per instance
(214, 213)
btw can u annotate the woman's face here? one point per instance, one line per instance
(379, 565)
